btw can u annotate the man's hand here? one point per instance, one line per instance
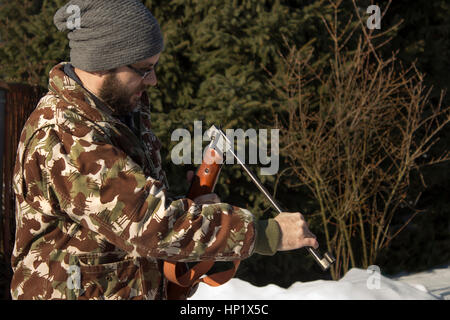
(208, 198)
(294, 232)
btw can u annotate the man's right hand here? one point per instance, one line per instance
(294, 232)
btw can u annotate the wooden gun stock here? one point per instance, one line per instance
(181, 279)
(205, 178)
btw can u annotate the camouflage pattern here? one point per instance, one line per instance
(94, 218)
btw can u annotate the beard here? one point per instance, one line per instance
(120, 98)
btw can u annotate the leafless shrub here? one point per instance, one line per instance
(353, 130)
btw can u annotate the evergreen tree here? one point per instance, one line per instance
(215, 68)
(423, 38)
(30, 45)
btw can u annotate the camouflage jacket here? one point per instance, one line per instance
(94, 220)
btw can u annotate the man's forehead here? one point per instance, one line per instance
(148, 62)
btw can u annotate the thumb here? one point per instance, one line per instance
(312, 242)
(189, 176)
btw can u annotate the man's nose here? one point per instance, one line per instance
(151, 79)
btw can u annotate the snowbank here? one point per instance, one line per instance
(357, 284)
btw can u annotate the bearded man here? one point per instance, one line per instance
(94, 217)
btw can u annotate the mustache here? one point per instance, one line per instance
(143, 88)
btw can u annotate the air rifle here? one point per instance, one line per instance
(203, 182)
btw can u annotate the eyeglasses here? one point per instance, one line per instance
(143, 74)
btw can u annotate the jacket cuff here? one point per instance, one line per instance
(267, 237)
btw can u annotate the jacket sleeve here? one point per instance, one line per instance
(98, 186)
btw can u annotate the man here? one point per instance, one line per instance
(94, 218)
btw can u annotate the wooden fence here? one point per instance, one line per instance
(17, 101)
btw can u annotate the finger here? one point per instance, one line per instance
(312, 242)
(212, 197)
(207, 199)
(189, 175)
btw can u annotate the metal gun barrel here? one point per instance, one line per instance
(324, 262)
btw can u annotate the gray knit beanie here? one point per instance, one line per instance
(108, 34)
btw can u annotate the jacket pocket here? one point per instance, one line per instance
(109, 276)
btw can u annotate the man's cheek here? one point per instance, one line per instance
(134, 100)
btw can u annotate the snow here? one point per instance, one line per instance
(357, 284)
